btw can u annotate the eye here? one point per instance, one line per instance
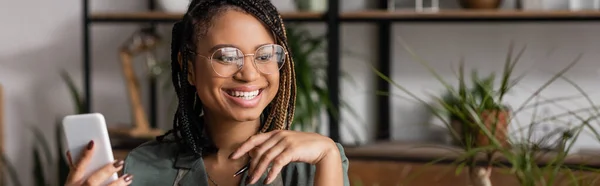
(227, 56)
(227, 59)
(264, 56)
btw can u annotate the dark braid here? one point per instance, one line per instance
(188, 125)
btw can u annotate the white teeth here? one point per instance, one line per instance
(244, 95)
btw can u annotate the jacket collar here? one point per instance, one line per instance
(186, 160)
(196, 171)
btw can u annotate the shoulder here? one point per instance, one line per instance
(300, 173)
(151, 162)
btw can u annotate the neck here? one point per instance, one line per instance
(228, 135)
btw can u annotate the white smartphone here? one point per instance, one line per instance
(79, 130)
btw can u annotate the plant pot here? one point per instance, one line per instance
(480, 4)
(500, 118)
(174, 6)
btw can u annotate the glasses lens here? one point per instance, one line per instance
(269, 58)
(227, 61)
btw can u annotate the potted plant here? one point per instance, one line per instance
(477, 119)
(482, 98)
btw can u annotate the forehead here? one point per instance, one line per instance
(239, 29)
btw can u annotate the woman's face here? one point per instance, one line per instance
(229, 92)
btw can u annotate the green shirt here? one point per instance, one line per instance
(161, 163)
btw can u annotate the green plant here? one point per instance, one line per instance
(42, 155)
(312, 94)
(11, 170)
(58, 163)
(43, 151)
(481, 97)
(467, 105)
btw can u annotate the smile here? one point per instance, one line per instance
(244, 95)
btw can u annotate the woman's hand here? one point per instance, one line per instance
(281, 147)
(76, 174)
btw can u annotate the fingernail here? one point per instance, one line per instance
(128, 177)
(90, 145)
(118, 163)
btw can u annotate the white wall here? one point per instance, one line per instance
(46, 37)
(39, 38)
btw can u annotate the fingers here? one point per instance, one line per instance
(79, 168)
(273, 155)
(282, 160)
(266, 152)
(251, 143)
(123, 180)
(104, 173)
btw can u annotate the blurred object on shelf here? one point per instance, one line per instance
(531, 4)
(143, 42)
(311, 5)
(480, 4)
(174, 6)
(427, 5)
(415, 5)
(575, 5)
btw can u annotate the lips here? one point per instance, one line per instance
(246, 97)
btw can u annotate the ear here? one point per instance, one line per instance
(191, 74)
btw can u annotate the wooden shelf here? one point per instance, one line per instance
(468, 14)
(172, 17)
(376, 15)
(471, 15)
(425, 153)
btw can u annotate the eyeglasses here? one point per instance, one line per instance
(227, 61)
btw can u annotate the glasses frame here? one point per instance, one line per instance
(210, 59)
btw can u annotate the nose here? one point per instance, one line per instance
(249, 72)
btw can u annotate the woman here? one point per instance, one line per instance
(236, 88)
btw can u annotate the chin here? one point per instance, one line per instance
(245, 117)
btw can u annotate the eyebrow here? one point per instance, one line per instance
(214, 48)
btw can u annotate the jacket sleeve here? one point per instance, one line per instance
(303, 174)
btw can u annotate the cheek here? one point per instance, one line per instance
(206, 84)
(273, 80)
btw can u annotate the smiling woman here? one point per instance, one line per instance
(235, 83)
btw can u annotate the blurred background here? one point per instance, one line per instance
(54, 53)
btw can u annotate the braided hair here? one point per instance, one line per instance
(188, 124)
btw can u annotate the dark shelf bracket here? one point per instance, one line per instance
(87, 107)
(152, 82)
(333, 72)
(384, 34)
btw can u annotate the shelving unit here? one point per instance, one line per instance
(333, 18)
